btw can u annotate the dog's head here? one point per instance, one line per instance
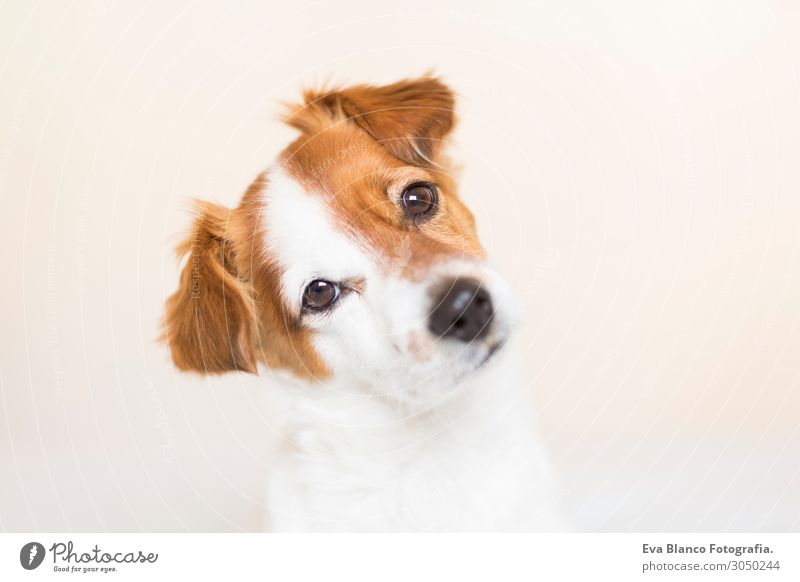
(351, 258)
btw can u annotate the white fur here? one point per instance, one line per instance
(300, 232)
(409, 432)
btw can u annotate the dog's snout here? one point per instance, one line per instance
(464, 311)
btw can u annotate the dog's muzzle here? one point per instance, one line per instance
(463, 311)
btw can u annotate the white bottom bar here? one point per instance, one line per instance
(404, 557)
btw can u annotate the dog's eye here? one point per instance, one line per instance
(320, 294)
(419, 201)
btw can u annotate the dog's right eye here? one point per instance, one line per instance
(319, 295)
(419, 201)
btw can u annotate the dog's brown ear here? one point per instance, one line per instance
(209, 323)
(409, 118)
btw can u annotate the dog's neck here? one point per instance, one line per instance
(348, 411)
(351, 461)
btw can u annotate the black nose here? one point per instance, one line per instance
(464, 311)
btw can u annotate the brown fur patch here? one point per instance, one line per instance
(409, 118)
(209, 318)
(227, 313)
(355, 153)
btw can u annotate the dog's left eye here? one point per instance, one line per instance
(419, 201)
(320, 294)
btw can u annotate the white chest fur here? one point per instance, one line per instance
(355, 462)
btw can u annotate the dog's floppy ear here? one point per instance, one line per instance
(209, 323)
(409, 118)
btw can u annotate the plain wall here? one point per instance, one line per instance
(634, 169)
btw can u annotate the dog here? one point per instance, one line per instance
(352, 271)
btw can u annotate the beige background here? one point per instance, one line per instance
(634, 167)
